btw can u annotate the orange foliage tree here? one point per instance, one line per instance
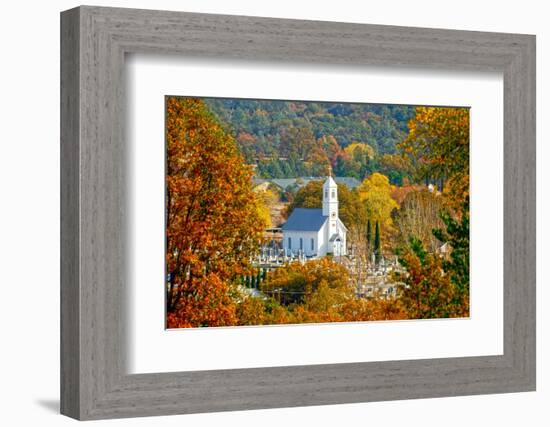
(429, 292)
(212, 221)
(297, 282)
(438, 145)
(318, 291)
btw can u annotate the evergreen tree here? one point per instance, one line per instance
(274, 169)
(258, 278)
(457, 235)
(377, 243)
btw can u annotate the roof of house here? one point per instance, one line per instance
(258, 181)
(302, 219)
(285, 183)
(349, 181)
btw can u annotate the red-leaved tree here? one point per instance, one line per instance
(212, 223)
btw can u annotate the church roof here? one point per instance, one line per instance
(342, 224)
(302, 219)
(334, 237)
(329, 182)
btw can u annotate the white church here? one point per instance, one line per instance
(316, 232)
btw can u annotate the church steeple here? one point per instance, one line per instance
(330, 198)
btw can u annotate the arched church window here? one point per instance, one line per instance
(333, 195)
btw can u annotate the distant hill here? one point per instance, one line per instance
(287, 139)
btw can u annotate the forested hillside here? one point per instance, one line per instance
(287, 139)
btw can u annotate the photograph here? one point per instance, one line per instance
(292, 212)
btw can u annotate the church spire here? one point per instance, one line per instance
(330, 198)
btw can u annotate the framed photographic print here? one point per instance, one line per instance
(305, 212)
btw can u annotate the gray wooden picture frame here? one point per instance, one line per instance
(94, 382)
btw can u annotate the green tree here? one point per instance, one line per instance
(396, 167)
(457, 236)
(428, 293)
(437, 285)
(258, 278)
(377, 253)
(298, 141)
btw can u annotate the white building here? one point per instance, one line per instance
(316, 232)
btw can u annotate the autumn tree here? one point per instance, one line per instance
(251, 311)
(355, 159)
(372, 309)
(437, 285)
(438, 146)
(360, 152)
(375, 192)
(330, 146)
(298, 141)
(418, 216)
(397, 167)
(428, 292)
(343, 166)
(263, 212)
(212, 220)
(298, 283)
(400, 193)
(317, 162)
(266, 199)
(247, 145)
